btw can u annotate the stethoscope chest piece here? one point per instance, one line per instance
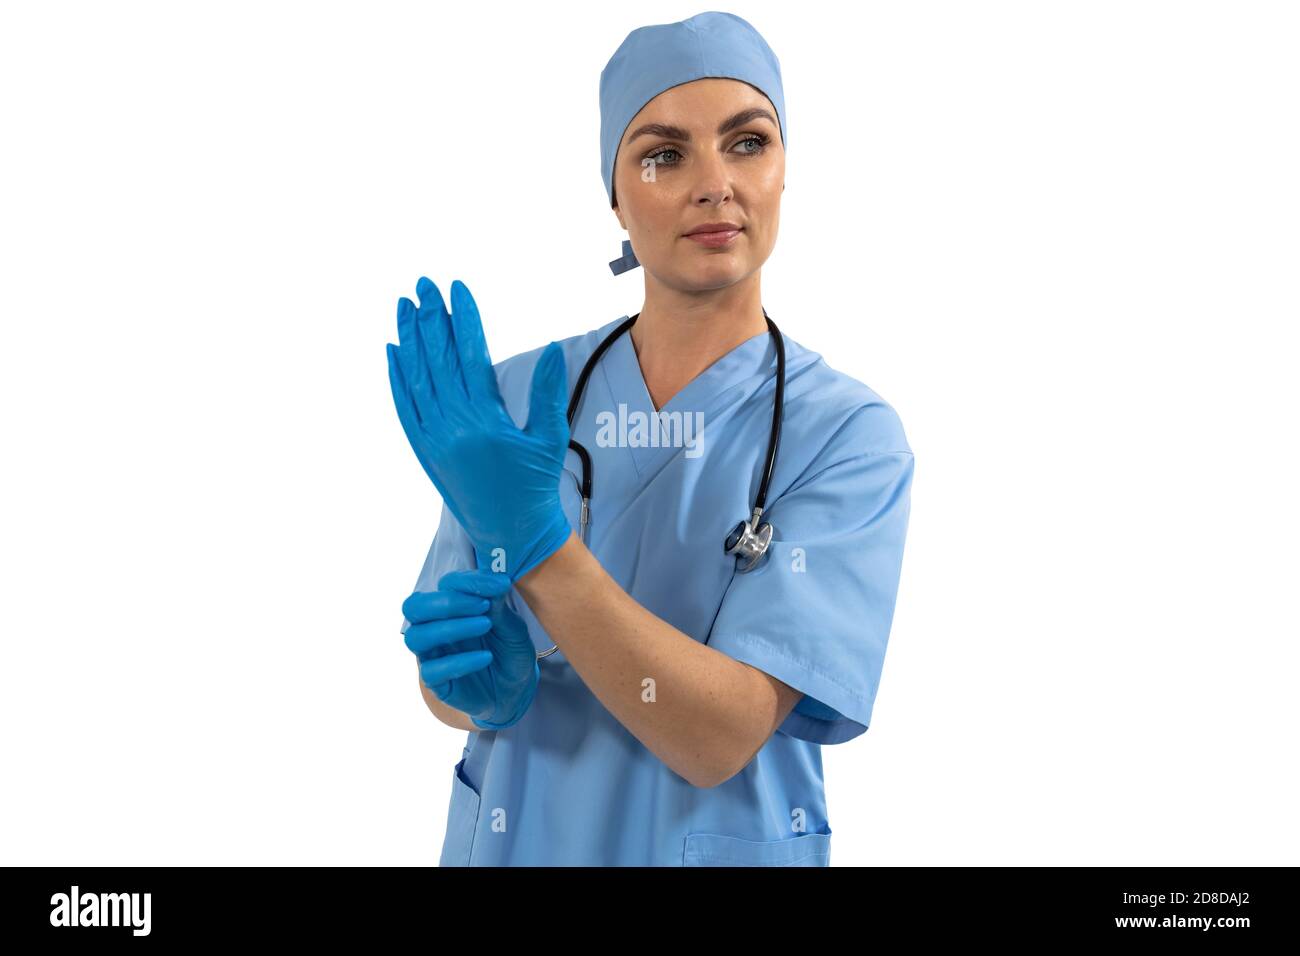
(748, 545)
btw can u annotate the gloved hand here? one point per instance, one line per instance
(501, 483)
(494, 683)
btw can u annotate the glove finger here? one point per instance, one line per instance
(548, 400)
(405, 321)
(420, 430)
(486, 584)
(401, 394)
(443, 670)
(424, 606)
(509, 634)
(411, 363)
(433, 326)
(422, 640)
(475, 361)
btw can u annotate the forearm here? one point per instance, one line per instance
(447, 714)
(704, 715)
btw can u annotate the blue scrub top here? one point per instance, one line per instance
(568, 784)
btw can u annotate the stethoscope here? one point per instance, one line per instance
(749, 540)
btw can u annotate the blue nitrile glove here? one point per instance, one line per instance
(496, 681)
(501, 483)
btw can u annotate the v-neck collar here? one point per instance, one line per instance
(704, 393)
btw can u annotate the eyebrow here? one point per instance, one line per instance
(726, 126)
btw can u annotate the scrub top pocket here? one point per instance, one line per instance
(462, 820)
(715, 849)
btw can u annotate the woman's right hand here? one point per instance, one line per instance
(475, 652)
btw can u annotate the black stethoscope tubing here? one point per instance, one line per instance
(774, 438)
(749, 539)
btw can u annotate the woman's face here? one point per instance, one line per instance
(706, 151)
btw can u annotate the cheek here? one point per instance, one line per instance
(765, 210)
(760, 171)
(761, 192)
(652, 208)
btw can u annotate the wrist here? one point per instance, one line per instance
(562, 562)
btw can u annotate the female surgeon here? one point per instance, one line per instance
(679, 721)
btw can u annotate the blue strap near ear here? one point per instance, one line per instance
(628, 260)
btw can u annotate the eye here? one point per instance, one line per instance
(661, 152)
(759, 139)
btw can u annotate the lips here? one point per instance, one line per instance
(715, 235)
(714, 227)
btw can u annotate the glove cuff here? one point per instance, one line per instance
(547, 544)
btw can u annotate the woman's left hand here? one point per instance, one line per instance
(501, 482)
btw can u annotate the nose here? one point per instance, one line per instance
(712, 182)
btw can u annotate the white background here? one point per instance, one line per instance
(1060, 239)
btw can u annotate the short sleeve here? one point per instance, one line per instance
(451, 551)
(816, 613)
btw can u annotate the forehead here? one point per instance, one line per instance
(701, 104)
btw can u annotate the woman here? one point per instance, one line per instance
(680, 720)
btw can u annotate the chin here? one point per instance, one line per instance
(716, 273)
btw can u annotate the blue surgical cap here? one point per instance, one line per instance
(657, 58)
